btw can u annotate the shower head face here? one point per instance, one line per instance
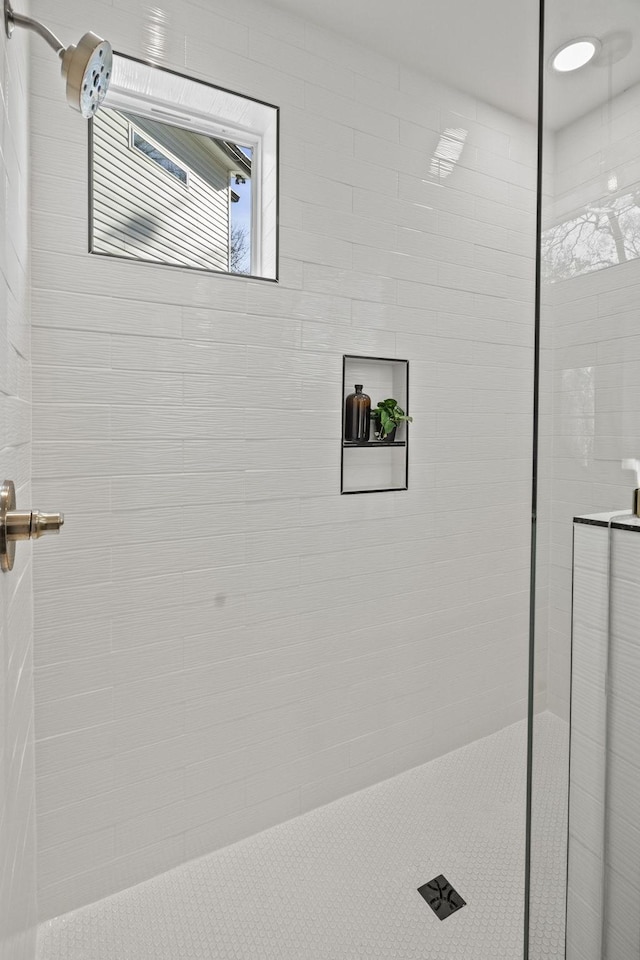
(87, 68)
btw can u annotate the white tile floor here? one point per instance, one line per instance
(339, 883)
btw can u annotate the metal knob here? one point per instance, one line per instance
(21, 525)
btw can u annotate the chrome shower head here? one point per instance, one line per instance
(85, 66)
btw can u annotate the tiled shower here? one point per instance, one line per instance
(219, 642)
(220, 660)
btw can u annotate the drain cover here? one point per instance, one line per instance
(441, 897)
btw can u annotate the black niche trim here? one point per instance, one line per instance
(347, 358)
(619, 524)
(441, 897)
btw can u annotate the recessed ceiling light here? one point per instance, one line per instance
(575, 54)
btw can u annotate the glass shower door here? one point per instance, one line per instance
(589, 394)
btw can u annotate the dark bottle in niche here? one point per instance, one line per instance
(357, 416)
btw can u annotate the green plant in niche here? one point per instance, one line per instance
(387, 415)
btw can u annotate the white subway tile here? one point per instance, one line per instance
(222, 655)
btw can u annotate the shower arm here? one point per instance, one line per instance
(86, 66)
(12, 19)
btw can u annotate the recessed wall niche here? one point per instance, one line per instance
(370, 463)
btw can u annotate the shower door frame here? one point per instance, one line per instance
(534, 490)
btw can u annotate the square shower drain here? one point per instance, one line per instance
(441, 897)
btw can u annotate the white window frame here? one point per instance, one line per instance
(160, 94)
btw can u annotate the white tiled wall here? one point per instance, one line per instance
(598, 785)
(223, 641)
(596, 349)
(17, 782)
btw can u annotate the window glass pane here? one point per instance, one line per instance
(190, 206)
(158, 157)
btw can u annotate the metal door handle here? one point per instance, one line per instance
(21, 524)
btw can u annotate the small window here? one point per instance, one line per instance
(220, 146)
(154, 153)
